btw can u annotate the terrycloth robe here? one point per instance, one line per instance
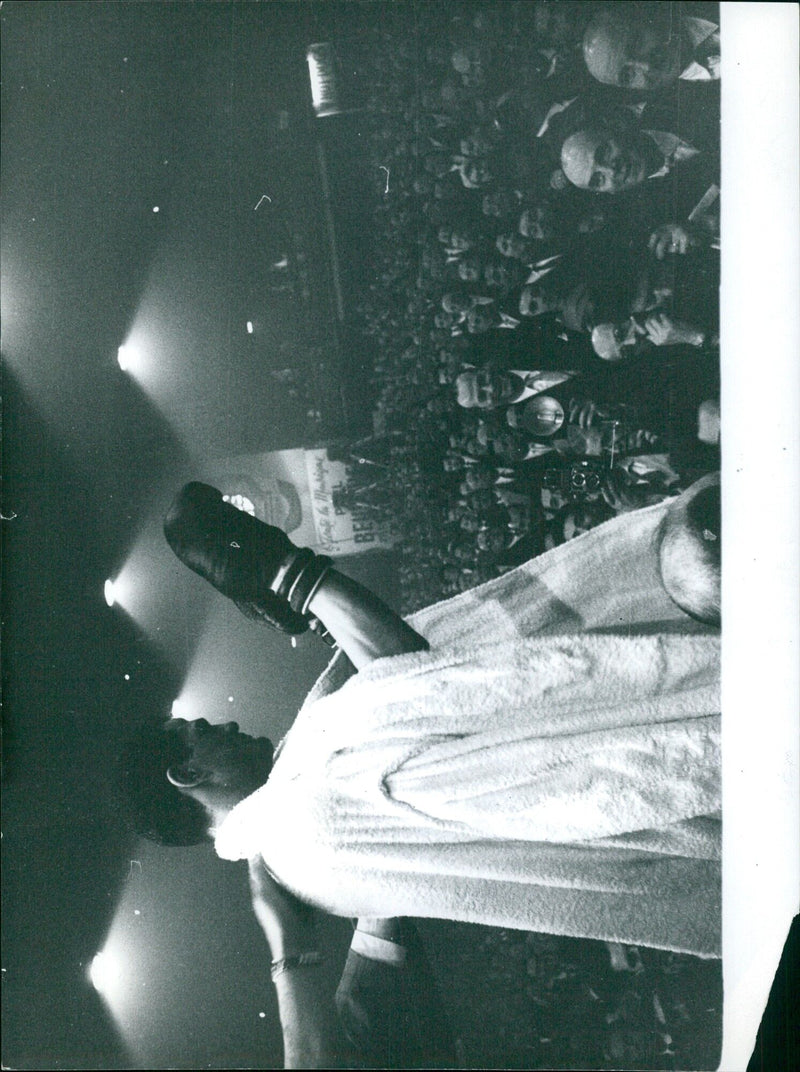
(551, 764)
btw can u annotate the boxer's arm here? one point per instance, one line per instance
(268, 577)
(312, 1037)
(362, 625)
(310, 1026)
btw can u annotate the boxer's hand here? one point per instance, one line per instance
(234, 551)
(288, 924)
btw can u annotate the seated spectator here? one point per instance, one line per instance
(491, 388)
(615, 342)
(649, 53)
(611, 162)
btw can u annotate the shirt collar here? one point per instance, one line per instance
(673, 149)
(705, 66)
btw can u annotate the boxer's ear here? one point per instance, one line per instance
(184, 776)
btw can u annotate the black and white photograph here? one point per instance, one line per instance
(367, 437)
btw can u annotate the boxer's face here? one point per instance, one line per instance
(220, 764)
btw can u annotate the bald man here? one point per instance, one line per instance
(605, 161)
(652, 52)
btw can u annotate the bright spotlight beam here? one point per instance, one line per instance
(109, 591)
(105, 973)
(181, 708)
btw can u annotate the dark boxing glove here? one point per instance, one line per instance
(254, 564)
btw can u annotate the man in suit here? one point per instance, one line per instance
(653, 50)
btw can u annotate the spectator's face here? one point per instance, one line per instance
(507, 444)
(533, 302)
(510, 245)
(461, 554)
(630, 53)
(469, 271)
(478, 322)
(589, 224)
(577, 521)
(221, 764)
(487, 388)
(460, 240)
(610, 341)
(476, 173)
(475, 479)
(602, 162)
(481, 500)
(474, 145)
(496, 275)
(533, 224)
(550, 22)
(492, 205)
(491, 540)
(467, 60)
(458, 304)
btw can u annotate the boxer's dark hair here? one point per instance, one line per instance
(156, 809)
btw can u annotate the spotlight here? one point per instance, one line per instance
(249, 327)
(110, 593)
(124, 357)
(105, 973)
(180, 709)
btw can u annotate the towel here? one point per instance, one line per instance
(551, 764)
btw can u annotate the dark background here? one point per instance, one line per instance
(110, 110)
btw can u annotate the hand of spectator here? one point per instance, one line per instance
(622, 495)
(670, 238)
(662, 330)
(583, 413)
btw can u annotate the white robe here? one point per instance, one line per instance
(551, 764)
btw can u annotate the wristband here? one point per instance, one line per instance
(299, 576)
(298, 960)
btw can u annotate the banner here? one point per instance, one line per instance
(340, 529)
(304, 493)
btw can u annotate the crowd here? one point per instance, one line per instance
(544, 303)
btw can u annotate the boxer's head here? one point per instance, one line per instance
(182, 778)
